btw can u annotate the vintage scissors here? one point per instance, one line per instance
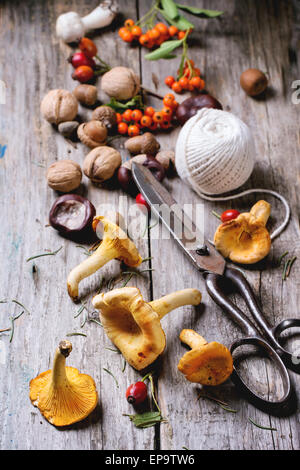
(209, 261)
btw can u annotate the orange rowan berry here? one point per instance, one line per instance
(144, 39)
(184, 83)
(153, 126)
(122, 128)
(173, 30)
(127, 36)
(165, 124)
(158, 116)
(119, 118)
(202, 86)
(136, 115)
(128, 23)
(154, 34)
(196, 82)
(189, 61)
(146, 121)
(122, 31)
(127, 115)
(168, 100)
(181, 34)
(167, 112)
(149, 111)
(162, 28)
(177, 87)
(196, 72)
(133, 130)
(169, 81)
(175, 105)
(136, 31)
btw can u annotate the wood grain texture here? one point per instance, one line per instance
(256, 33)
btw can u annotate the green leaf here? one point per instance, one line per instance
(164, 50)
(119, 106)
(147, 419)
(170, 7)
(200, 11)
(180, 21)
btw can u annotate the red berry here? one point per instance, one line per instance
(136, 393)
(83, 74)
(133, 130)
(79, 58)
(230, 214)
(88, 46)
(169, 81)
(136, 115)
(122, 128)
(141, 201)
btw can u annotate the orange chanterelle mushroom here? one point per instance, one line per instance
(206, 363)
(245, 239)
(133, 325)
(115, 245)
(63, 395)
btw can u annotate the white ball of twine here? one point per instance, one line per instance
(214, 152)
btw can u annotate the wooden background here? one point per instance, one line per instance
(251, 33)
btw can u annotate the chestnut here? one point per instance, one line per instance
(72, 216)
(253, 82)
(126, 180)
(189, 107)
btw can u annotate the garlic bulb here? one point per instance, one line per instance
(214, 152)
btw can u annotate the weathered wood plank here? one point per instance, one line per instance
(223, 49)
(25, 204)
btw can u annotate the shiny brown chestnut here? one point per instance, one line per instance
(72, 216)
(126, 180)
(190, 106)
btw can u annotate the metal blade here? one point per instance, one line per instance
(177, 222)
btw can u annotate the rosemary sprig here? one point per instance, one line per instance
(21, 305)
(113, 350)
(222, 404)
(216, 214)
(80, 310)
(281, 257)
(51, 253)
(13, 319)
(110, 373)
(84, 248)
(290, 266)
(76, 334)
(96, 321)
(185, 448)
(261, 427)
(124, 366)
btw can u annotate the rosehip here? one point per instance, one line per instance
(230, 214)
(141, 201)
(79, 58)
(83, 74)
(136, 393)
(88, 47)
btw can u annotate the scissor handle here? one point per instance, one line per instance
(213, 284)
(291, 360)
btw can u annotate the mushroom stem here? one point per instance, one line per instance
(99, 258)
(59, 376)
(261, 211)
(177, 299)
(192, 339)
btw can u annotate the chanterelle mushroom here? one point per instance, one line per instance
(206, 363)
(245, 239)
(63, 395)
(133, 325)
(115, 245)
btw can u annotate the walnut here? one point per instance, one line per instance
(64, 176)
(59, 106)
(121, 83)
(92, 133)
(101, 163)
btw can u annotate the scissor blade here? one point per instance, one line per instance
(177, 222)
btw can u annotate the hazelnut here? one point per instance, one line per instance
(253, 82)
(106, 115)
(138, 159)
(166, 158)
(92, 133)
(68, 128)
(64, 175)
(59, 106)
(145, 143)
(86, 94)
(101, 163)
(120, 83)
